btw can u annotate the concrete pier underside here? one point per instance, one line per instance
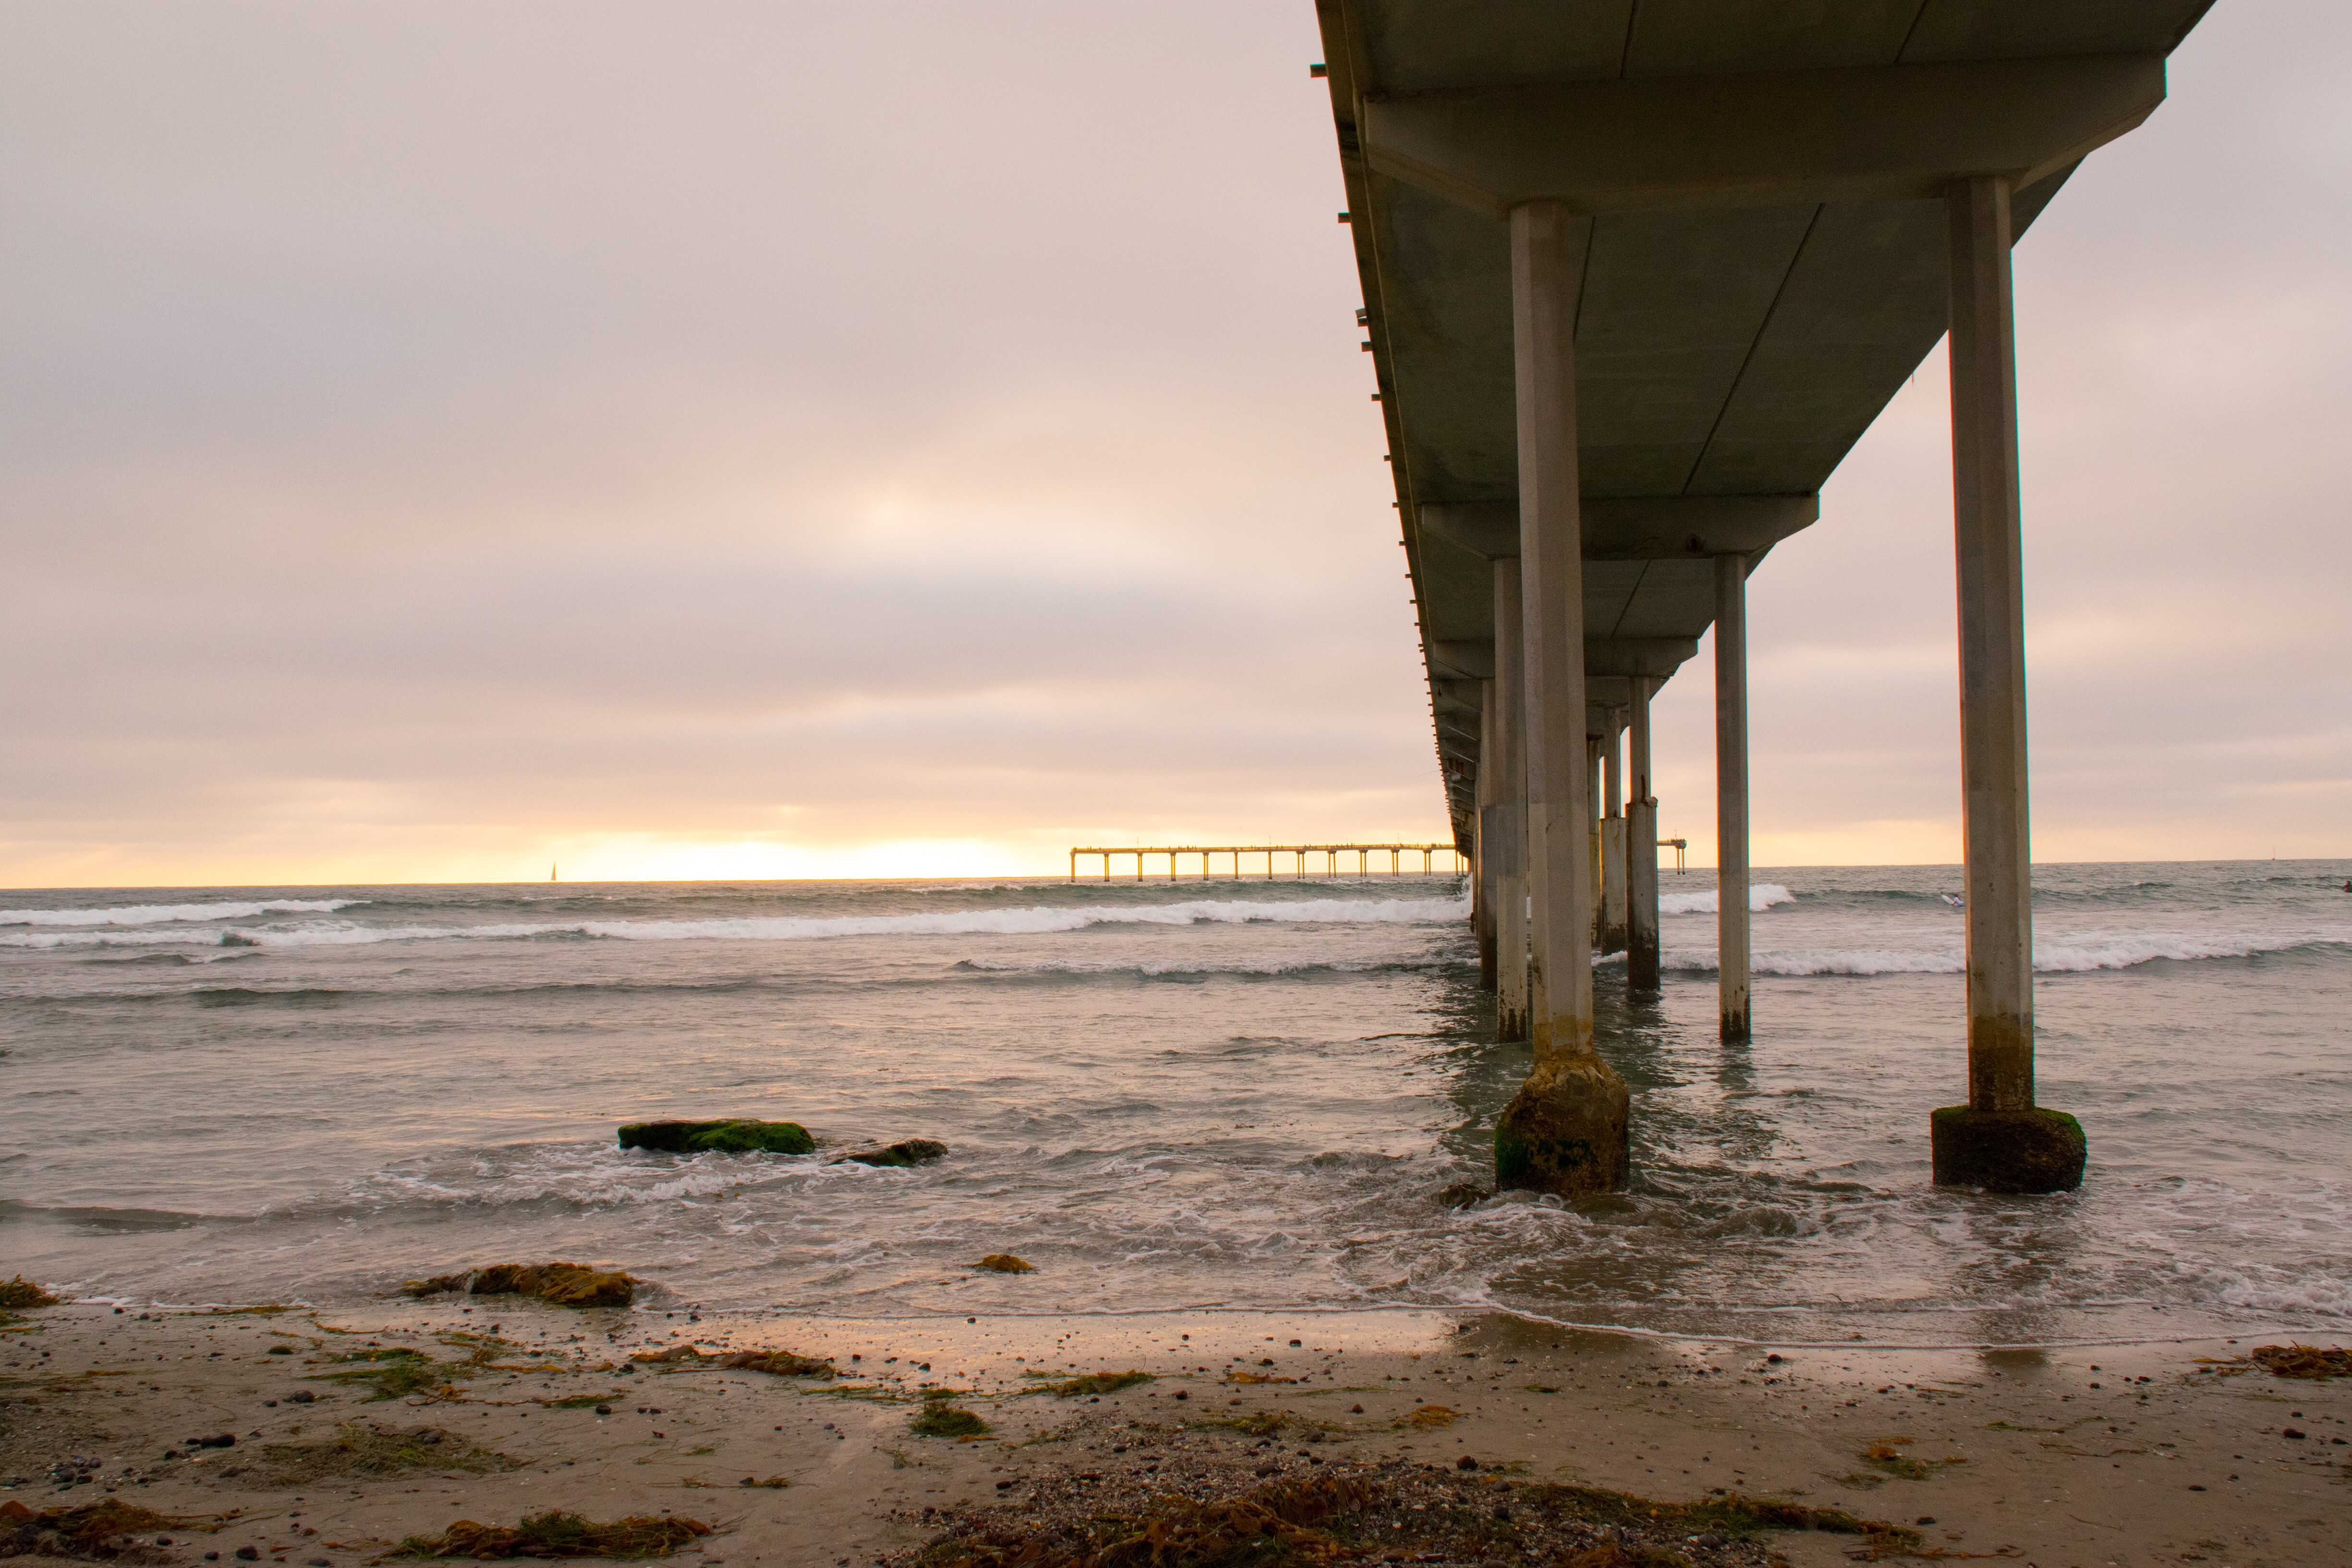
(1751, 205)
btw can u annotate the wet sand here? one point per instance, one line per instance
(2085, 1456)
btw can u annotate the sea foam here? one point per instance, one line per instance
(1761, 896)
(158, 915)
(2067, 956)
(1039, 919)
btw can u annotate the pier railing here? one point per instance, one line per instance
(1272, 852)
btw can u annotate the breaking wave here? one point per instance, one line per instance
(159, 914)
(1182, 969)
(2073, 955)
(1761, 896)
(1040, 920)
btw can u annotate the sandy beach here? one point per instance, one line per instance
(354, 1429)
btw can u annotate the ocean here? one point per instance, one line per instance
(1238, 1093)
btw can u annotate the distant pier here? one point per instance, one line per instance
(1298, 852)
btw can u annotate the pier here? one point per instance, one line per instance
(1298, 852)
(1635, 278)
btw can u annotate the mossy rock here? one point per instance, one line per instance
(734, 1135)
(907, 1152)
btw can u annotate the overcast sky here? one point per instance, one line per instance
(775, 438)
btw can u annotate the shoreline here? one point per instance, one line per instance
(2048, 1454)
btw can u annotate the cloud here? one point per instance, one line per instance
(434, 440)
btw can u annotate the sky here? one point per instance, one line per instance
(777, 439)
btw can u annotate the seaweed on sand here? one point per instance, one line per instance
(1271, 1423)
(1097, 1383)
(937, 1419)
(558, 1284)
(397, 1373)
(559, 1534)
(778, 1363)
(1394, 1512)
(2302, 1361)
(1271, 1527)
(100, 1531)
(1731, 1513)
(21, 1292)
(366, 1450)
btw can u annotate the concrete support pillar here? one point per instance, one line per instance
(1481, 881)
(1640, 850)
(1592, 825)
(2000, 1139)
(1612, 836)
(1505, 837)
(1565, 1130)
(1731, 792)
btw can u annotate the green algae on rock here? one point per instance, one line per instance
(2035, 1151)
(731, 1135)
(1565, 1130)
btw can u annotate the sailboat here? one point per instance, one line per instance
(551, 871)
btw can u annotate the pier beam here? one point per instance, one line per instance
(1640, 850)
(1731, 795)
(1504, 836)
(1565, 1130)
(1612, 835)
(1999, 1140)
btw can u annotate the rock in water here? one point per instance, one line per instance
(735, 1135)
(912, 1152)
(1005, 1263)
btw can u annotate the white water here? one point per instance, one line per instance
(1167, 1098)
